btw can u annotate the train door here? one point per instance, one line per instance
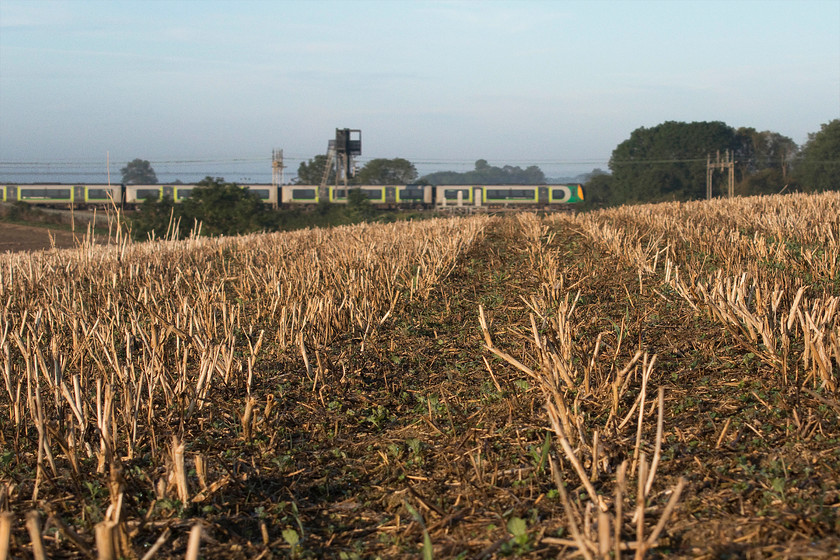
(11, 193)
(543, 195)
(78, 194)
(391, 195)
(169, 192)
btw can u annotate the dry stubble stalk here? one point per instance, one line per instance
(6, 520)
(600, 535)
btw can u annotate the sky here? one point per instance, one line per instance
(204, 87)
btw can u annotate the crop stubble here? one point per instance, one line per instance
(649, 380)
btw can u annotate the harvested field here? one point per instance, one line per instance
(15, 237)
(655, 381)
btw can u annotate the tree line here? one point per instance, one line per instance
(668, 162)
(399, 171)
(380, 171)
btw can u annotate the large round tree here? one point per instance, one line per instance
(138, 172)
(668, 161)
(382, 171)
(818, 165)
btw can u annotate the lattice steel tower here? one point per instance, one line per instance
(347, 144)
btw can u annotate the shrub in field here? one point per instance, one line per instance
(21, 211)
(220, 208)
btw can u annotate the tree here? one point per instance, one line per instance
(667, 161)
(359, 207)
(311, 173)
(138, 172)
(224, 208)
(445, 178)
(486, 174)
(598, 189)
(764, 150)
(153, 218)
(765, 181)
(381, 171)
(818, 165)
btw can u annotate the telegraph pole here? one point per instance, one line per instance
(709, 171)
(278, 176)
(725, 164)
(730, 165)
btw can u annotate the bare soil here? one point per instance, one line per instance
(15, 237)
(418, 434)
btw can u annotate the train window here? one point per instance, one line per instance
(264, 194)
(561, 195)
(411, 194)
(143, 194)
(452, 194)
(99, 194)
(340, 193)
(375, 194)
(303, 194)
(183, 193)
(511, 194)
(54, 194)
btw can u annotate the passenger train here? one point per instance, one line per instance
(418, 196)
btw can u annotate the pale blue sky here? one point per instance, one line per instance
(558, 84)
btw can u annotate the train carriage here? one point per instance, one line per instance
(418, 195)
(48, 194)
(456, 195)
(266, 193)
(181, 193)
(511, 194)
(63, 194)
(490, 196)
(103, 194)
(387, 195)
(565, 194)
(378, 195)
(137, 194)
(299, 194)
